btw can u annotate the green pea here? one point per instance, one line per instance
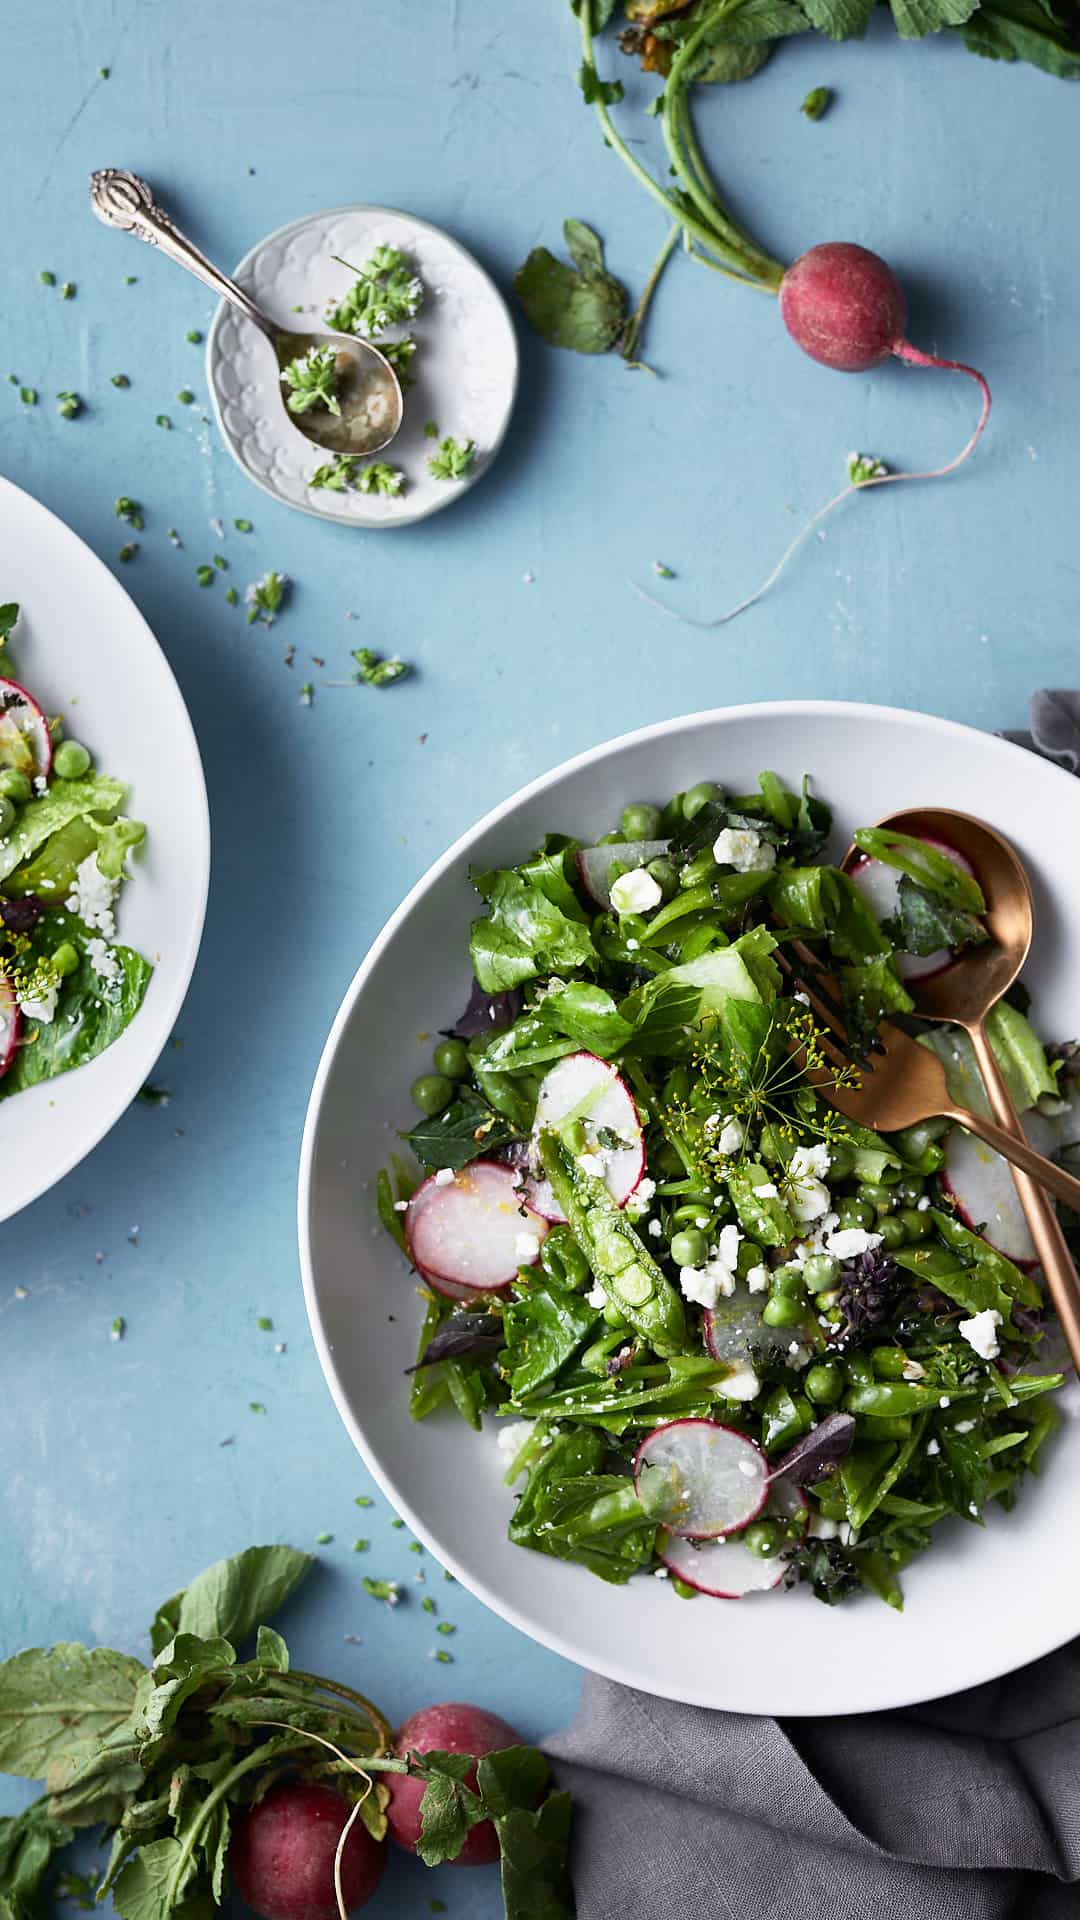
(910, 1189)
(65, 959)
(788, 1283)
(698, 870)
(781, 1312)
(640, 821)
(820, 1272)
(700, 796)
(562, 1258)
(841, 1160)
(665, 875)
(749, 1257)
(855, 1213)
(452, 1059)
(764, 1539)
(7, 813)
(15, 786)
(859, 1369)
(824, 1383)
(891, 1229)
(611, 840)
(876, 1195)
(672, 816)
(432, 1093)
(71, 760)
(916, 1225)
(689, 1247)
(889, 1362)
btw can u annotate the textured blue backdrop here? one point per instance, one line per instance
(116, 1483)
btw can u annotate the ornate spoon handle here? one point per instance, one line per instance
(121, 199)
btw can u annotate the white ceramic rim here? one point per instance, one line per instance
(112, 1110)
(887, 1696)
(320, 513)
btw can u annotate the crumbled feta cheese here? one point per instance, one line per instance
(41, 1007)
(593, 1163)
(597, 1298)
(922, 1205)
(732, 1135)
(741, 1383)
(758, 1278)
(932, 1449)
(980, 1332)
(964, 1426)
(93, 896)
(822, 1529)
(802, 998)
(743, 849)
(512, 1437)
(661, 1573)
(444, 1177)
(730, 1238)
(701, 1285)
(526, 1246)
(103, 959)
(401, 1206)
(655, 1229)
(636, 892)
(808, 1197)
(944, 1401)
(767, 1191)
(645, 1190)
(749, 1468)
(810, 1160)
(850, 1241)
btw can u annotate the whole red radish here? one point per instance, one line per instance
(451, 1727)
(282, 1855)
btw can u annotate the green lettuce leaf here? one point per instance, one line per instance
(534, 923)
(67, 800)
(925, 924)
(89, 1016)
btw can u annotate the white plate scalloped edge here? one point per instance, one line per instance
(466, 363)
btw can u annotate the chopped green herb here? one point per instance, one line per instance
(323, 1539)
(204, 575)
(129, 510)
(360, 1546)
(863, 467)
(232, 597)
(264, 1323)
(185, 396)
(242, 526)
(120, 380)
(131, 279)
(129, 550)
(312, 381)
(175, 537)
(47, 279)
(817, 102)
(662, 572)
(13, 379)
(446, 1627)
(385, 292)
(307, 694)
(388, 1590)
(375, 671)
(70, 405)
(364, 1500)
(347, 470)
(397, 1522)
(583, 306)
(67, 291)
(194, 336)
(453, 460)
(431, 430)
(265, 598)
(436, 1906)
(415, 1547)
(256, 1406)
(152, 1096)
(162, 420)
(103, 73)
(28, 396)
(118, 1328)
(447, 1575)
(428, 1603)
(445, 1659)
(221, 563)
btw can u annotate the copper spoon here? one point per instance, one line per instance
(364, 375)
(966, 992)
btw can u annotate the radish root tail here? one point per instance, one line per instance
(913, 357)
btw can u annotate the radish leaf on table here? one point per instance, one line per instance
(230, 1599)
(582, 307)
(61, 1701)
(1038, 31)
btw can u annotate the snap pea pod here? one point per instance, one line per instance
(621, 1263)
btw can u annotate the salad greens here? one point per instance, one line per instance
(67, 988)
(165, 1760)
(637, 1209)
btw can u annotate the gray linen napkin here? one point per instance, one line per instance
(964, 1809)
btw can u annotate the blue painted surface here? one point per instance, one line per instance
(959, 598)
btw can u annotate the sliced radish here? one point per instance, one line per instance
(726, 1569)
(469, 1233)
(586, 1085)
(25, 740)
(595, 864)
(734, 1326)
(701, 1478)
(10, 1023)
(880, 883)
(982, 1186)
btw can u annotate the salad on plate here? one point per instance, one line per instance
(67, 987)
(732, 1339)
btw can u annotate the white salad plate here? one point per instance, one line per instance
(464, 371)
(981, 1601)
(85, 651)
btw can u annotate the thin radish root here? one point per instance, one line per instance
(356, 1767)
(914, 357)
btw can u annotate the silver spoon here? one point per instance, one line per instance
(365, 386)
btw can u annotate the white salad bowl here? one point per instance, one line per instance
(84, 650)
(981, 1601)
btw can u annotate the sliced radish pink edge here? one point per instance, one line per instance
(562, 1090)
(10, 1024)
(726, 1569)
(467, 1235)
(699, 1478)
(879, 882)
(19, 709)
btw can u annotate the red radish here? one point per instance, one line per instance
(10, 1025)
(701, 1478)
(25, 740)
(982, 1186)
(282, 1855)
(735, 1323)
(880, 883)
(584, 1084)
(450, 1727)
(727, 1569)
(595, 864)
(471, 1232)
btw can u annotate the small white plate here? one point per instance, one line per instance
(84, 650)
(465, 368)
(983, 1599)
